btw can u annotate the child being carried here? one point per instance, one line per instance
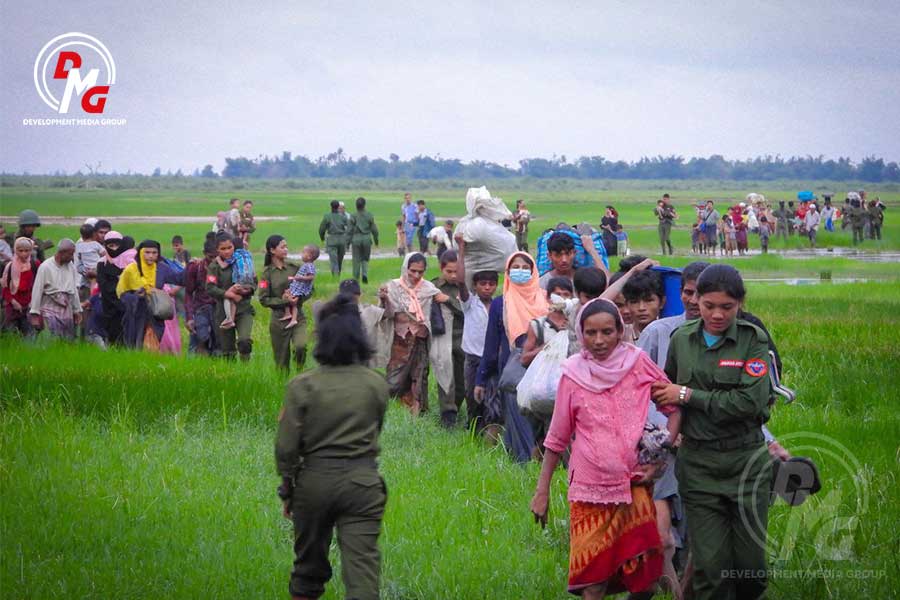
(242, 273)
(301, 284)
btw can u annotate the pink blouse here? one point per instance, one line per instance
(607, 428)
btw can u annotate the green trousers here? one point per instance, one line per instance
(336, 257)
(451, 400)
(726, 504)
(858, 235)
(362, 252)
(665, 236)
(351, 500)
(283, 339)
(237, 340)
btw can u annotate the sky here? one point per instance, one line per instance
(199, 81)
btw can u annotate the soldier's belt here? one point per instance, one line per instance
(315, 462)
(751, 438)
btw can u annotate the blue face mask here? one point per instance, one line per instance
(520, 276)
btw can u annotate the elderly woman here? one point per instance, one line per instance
(720, 368)
(17, 281)
(326, 454)
(407, 300)
(603, 400)
(138, 280)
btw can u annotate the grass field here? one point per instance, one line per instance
(127, 475)
(131, 475)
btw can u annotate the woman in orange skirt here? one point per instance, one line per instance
(603, 400)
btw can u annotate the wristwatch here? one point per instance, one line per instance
(682, 394)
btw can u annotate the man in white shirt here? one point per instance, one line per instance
(54, 297)
(811, 220)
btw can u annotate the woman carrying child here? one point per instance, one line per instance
(275, 294)
(231, 282)
(603, 399)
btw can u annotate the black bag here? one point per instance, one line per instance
(513, 372)
(438, 326)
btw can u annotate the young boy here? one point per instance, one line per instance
(764, 233)
(179, 252)
(644, 296)
(448, 282)
(242, 274)
(401, 240)
(301, 284)
(695, 238)
(621, 241)
(246, 222)
(475, 306)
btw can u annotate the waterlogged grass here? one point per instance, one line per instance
(127, 475)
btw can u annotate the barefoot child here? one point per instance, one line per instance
(243, 274)
(246, 223)
(301, 284)
(401, 240)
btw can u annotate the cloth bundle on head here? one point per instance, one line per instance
(488, 243)
(16, 266)
(124, 254)
(522, 302)
(592, 374)
(412, 299)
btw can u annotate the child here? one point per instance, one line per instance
(764, 233)
(621, 241)
(179, 252)
(242, 274)
(301, 284)
(401, 240)
(246, 223)
(695, 237)
(730, 235)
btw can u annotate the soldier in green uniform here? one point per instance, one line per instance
(451, 400)
(719, 365)
(220, 285)
(362, 232)
(665, 212)
(28, 222)
(857, 221)
(326, 453)
(333, 231)
(274, 294)
(876, 219)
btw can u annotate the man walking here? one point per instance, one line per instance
(54, 296)
(665, 212)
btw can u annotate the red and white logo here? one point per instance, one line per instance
(70, 66)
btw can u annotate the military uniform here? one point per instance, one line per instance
(782, 222)
(666, 216)
(333, 231)
(218, 280)
(723, 468)
(362, 231)
(326, 453)
(876, 219)
(451, 400)
(272, 285)
(858, 222)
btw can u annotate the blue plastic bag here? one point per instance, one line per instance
(806, 196)
(582, 258)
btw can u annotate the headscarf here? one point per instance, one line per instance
(413, 299)
(522, 303)
(594, 375)
(124, 254)
(147, 270)
(15, 267)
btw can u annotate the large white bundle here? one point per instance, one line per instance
(754, 198)
(488, 243)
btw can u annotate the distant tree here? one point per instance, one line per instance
(208, 172)
(157, 172)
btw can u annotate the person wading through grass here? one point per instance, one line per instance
(407, 300)
(363, 233)
(449, 284)
(603, 399)
(199, 306)
(719, 365)
(274, 294)
(333, 231)
(220, 285)
(54, 296)
(120, 253)
(326, 452)
(17, 282)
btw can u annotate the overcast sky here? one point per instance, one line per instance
(200, 81)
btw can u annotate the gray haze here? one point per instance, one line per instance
(198, 82)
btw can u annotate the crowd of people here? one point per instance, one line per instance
(631, 390)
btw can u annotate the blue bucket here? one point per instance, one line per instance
(672, 284)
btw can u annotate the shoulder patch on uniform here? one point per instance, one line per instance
(263, 284)
(210, 279)
(756, 367)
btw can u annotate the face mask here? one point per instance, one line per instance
(520, 276)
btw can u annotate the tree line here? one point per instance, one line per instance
(765, 168)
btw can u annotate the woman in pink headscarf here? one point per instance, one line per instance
(17, 281)
(603, 400)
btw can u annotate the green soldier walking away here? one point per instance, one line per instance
(363, 232)
(857, 221)
(333, 231)
(782, 221)
(28, 222)
(876, 219)
(451, 400)
(720, 368)
(326, 453)
(665, 212)
(274, 294)
(220, 286)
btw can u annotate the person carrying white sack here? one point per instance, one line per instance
(488, 242)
